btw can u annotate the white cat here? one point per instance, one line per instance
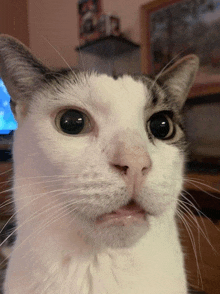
(98, 168)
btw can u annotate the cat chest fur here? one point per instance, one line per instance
(109, 271)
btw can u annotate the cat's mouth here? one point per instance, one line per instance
(131, 213)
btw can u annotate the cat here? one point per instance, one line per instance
(98, 169)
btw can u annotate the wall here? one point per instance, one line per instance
(53, 27)
(57, 21)
(14, 19)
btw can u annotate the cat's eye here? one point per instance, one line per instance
(161, 126)
(72, 122)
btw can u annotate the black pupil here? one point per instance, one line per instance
(72, 122)
(159, 126)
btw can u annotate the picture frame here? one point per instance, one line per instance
(175, 28)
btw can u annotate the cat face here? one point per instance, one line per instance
(118, 144)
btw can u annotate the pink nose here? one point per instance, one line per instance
(132, 161)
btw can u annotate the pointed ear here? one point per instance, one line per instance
(179, 78)
(21, 72)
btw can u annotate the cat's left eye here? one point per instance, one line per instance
(72, 122)
(161, 126)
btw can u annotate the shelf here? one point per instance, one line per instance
(109, 46)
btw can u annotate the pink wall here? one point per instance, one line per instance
(58, 22)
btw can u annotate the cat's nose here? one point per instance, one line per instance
(133, 163)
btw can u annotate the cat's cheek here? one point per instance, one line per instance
(164, 181)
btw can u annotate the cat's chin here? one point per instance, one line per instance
(118, 233)
(120, 228)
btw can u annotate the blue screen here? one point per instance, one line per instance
(7, 121)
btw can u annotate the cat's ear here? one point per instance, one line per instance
(21, 72)
(179, 78)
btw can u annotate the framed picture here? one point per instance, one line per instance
(175, 28)
(89, 13)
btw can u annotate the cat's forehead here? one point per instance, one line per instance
(102, 92)
(125, 89)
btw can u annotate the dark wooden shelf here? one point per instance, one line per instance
(109, 46)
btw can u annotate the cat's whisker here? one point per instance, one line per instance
(61, 178)
(192, 178)
(6, 171)
(68, 65)
(40, 195)
(191, 196)
(177, 56)
(60, 192)
(41, 211)
(11, 201)
(204, 232)
(164, 69)
(34, 231)
(35, 199)
(192, 239)
(199, 212)
(18, 227)
(55, 218)
(193, 221)
(71, 183)
(205, 185)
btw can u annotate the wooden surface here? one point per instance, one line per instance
(203, 263)
(5, 189)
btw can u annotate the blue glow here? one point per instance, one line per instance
(7, 121)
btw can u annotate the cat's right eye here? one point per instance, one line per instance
(72, 122)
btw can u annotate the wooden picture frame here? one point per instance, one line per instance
(175, 28)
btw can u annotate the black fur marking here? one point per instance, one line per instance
(149, 82)
(155, 97)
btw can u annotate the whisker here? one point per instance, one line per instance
(37, 213)
(46, 224)
(200, 213)
(37, 183)
(208, 186)
(52, 220)
(204, 233)
(192, 239)
(22, 243)
(164, 68)
(35, 199)
(190, 203)
(11, 201)
(59, 54)
(6, 171)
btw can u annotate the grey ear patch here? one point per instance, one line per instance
(21, 72)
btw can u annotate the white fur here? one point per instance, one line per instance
(59, 251)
